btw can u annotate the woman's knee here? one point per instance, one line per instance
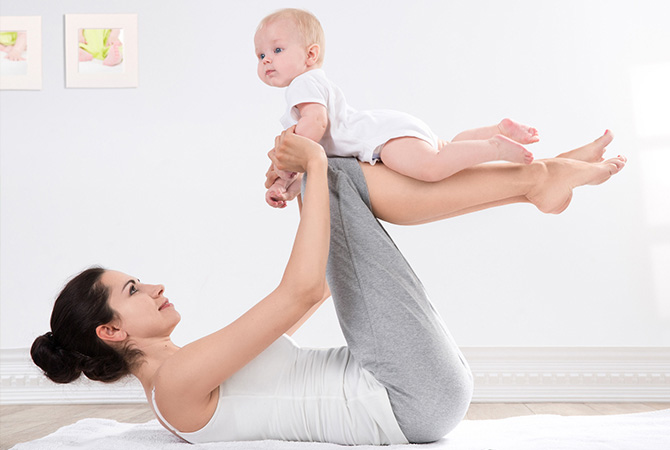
(436, 419)
(431, 413)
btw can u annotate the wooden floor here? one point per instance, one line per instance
(21, 423)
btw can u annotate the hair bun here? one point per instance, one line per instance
(53, 342)
(58, 364)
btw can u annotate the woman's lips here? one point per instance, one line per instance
(167, 304)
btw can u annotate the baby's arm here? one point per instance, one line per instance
(312, 124)
(313, 121)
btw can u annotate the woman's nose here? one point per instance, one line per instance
(157, 290)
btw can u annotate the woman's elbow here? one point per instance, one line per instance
(313, 295)
(307, 294)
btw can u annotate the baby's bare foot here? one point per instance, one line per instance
(509, 150)
(523, 134)
(592, 152)
(114, 55)
(84, 56)
(558, 177)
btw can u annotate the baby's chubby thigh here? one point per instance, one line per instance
(410, 156)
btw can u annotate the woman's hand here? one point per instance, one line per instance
(295, 153)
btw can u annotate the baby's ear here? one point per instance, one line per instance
(313, 52)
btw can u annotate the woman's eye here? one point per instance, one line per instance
(278, 50)
(132, 289)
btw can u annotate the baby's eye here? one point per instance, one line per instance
(278, 50)
(261, 56)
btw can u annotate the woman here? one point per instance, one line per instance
(401, 379)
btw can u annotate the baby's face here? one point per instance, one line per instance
(281, 52)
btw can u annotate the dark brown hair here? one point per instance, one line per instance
(72, 347)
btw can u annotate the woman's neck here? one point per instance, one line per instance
(155, 355)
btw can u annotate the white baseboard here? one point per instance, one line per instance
(570, 374)
(515, 374)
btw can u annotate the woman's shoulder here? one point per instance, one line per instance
(175, 404)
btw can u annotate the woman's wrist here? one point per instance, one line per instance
(317, 163)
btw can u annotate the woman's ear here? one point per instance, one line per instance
(313, 52)
(110, 333)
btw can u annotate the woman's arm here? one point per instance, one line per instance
(191, 376)
(324, 297)
(308, 314)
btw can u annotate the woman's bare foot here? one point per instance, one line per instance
(509, 150)
(592, 152)
(523, 134)
(558, 177)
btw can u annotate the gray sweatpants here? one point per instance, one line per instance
(389, 324)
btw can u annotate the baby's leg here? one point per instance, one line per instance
(418, 159)
(84, 55)
(523, 134)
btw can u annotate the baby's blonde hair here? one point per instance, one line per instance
(308, 25)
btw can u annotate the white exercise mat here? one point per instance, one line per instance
(644, 431)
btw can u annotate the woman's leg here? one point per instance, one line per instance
(548, 184)
(386, 317)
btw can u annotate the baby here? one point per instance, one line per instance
(103, 44)
(290, 47)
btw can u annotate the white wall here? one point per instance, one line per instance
(165, 181)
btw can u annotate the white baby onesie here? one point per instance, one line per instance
(350, 132)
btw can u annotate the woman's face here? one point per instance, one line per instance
(142, 309)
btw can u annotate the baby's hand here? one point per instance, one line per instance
(282, 186)
(276, 195)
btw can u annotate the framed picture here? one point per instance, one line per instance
(21, 52)
(101, 51)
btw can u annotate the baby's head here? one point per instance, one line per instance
(288, 43)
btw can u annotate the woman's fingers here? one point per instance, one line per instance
(272, 154)
(293, 152)
(270, 176)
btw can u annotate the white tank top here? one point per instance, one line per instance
(291, 393)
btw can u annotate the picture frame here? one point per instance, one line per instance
(101, 51)
(21, 52)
